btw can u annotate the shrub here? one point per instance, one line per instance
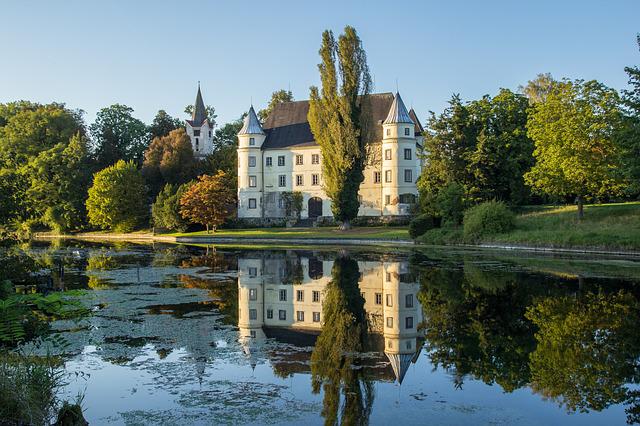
(449, 203)
(422, 223)
(488, 218)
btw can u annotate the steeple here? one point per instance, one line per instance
(398, 112)
(400, 364)
(251, 125)
(199, 110)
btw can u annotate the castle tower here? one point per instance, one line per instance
(199, 129)
(399, 160)
(250, 176)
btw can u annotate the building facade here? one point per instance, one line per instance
(282, 156)
(200, 129)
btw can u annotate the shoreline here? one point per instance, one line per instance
(147, 237)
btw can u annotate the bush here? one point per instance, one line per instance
(422, 223)
(449, 203)
(488, 218)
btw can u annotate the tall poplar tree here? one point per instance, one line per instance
(340, 119)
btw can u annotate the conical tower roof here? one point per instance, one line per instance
(199, 110)
(398, 112)
(400, 364)
(251, 125)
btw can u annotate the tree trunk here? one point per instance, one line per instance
(345, 225)
(207, 228)
(580, 202)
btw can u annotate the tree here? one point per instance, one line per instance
(117, 200)
(210, 111)
(340, 119)
(225, 155)
(117, 135)
(169, 159)
(165, 211)
(163, 124)
(539, 88)
(629, 138)
(277, 97)
(573, 131)
(210, 201)
(12, 196)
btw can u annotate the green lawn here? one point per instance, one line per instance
(374, 233)
(605, 226)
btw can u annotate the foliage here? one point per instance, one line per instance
(209, 111)
(277, 97)
(587, 349)
(422, 223)
(169, 159)
(481, 145)
(12, 196)
(573, 131)
(292, 203)
(449, 204)
(117, 199)
(629, 138)
(165, 211)
(539, 88)
(334, 362)
(117, 135)
(488, 218)
(225, 156)
(210, 201)
(163, 124)
(340, 119)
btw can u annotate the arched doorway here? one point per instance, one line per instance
(315, 207)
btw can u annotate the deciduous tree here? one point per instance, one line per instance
(340, 119)
(210, 201)
(117, 135)
(277, 97)
(163, 124)
(536, 90)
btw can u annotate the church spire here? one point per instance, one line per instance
(398, 112)
(251, 124)
(199, 110)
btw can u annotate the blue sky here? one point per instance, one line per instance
(150, 54)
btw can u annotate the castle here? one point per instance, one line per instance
(281, 156)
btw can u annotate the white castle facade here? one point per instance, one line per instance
(282, 156)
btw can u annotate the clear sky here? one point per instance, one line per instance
(150, 54)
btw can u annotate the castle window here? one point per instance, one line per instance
(269, 313)
(269, 161)
(315, 179)
(377, 177)
(252, 203)
(252, 161)
(388, 132)
(253, 293)
(407, 154)
(253, 272)
(408, 322)
(252, 141)
(387, 176)
(209, 133)
(196, 132)
(253, 181)
(299, 180)
(387, 200)
(299, 295)
(315, 158)
(408, 344)
(300, 315)
(316, 296)
(280, 160)
(407, 131)
(253, 314)
(408, 301)
(299, 160)
(316, 317)
(197, 145)
(387, 154)
(388, 279)
(282, 181)
(283, 295)
(408, 175)
(389, 322)
(407, 198)
(378, 298)
(282, 315)
(389, 300)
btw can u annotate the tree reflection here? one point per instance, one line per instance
(334, 361)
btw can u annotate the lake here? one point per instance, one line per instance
(201, 335)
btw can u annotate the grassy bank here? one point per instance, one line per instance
(372, 233)
(605, 226)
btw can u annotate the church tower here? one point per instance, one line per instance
(250, 176)
(399, 160)
(199, 129)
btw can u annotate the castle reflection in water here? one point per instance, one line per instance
(281, 295)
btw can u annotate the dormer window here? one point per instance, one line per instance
(407, 131)
(252, 141)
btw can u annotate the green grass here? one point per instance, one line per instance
(369, 233)
(605, 226)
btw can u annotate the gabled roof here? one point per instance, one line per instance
(251, 125)
(398, 112)
(287, 125)
(199, 111)
(418, 128)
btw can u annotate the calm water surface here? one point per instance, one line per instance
(190, 335)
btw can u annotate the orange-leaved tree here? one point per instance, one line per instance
(210, 201)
